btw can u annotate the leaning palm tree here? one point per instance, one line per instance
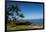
(16, 10)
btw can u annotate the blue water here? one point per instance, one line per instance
(37, 21)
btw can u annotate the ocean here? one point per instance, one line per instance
(37, 21)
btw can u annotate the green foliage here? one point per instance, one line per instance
(16, 10)
(23, 22)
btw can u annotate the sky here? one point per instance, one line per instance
(29, 10)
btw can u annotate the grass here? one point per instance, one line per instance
(11, 27)
(28, 27)
(22, 27)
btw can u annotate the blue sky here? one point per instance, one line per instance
(30, 10)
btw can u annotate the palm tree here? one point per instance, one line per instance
(16, 10)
